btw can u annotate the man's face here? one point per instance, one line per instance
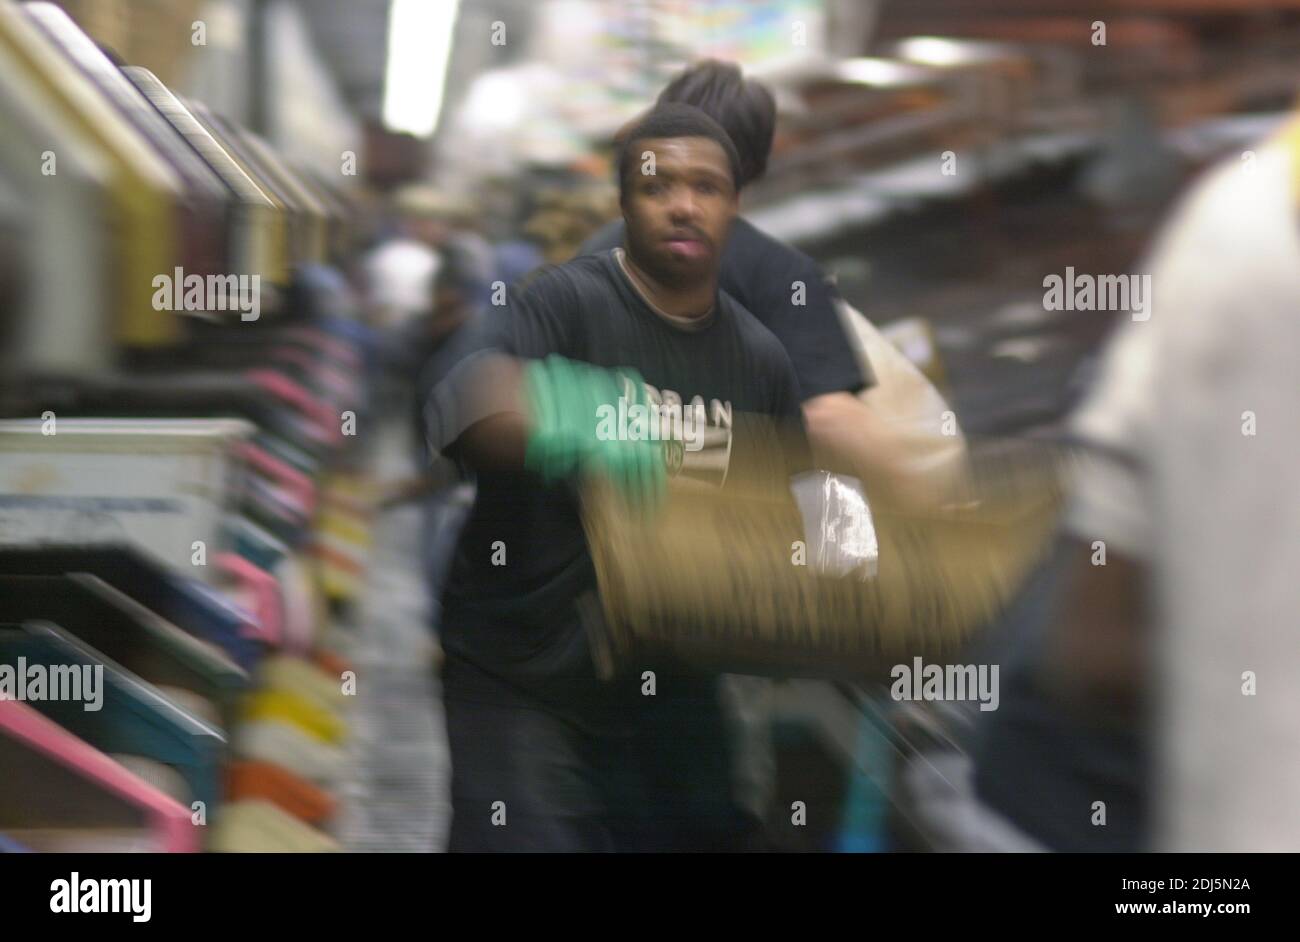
(677, 218)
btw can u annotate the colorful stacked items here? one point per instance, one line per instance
(177, 520)
(173, 708)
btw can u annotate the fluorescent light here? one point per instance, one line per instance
(495, 103)
(939, 52)
(880, 72)
(419, 48)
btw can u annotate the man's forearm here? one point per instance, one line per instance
(491, 407)
(848, 437)
(543, 415)
(497, 443)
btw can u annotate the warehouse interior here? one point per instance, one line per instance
(214, 484)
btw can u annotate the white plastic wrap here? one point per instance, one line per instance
(838, 529)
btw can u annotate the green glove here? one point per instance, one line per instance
(565, 398)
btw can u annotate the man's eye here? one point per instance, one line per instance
(705, 188)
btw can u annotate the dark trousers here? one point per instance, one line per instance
(525, 777)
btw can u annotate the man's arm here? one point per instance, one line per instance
(479, 415)
(496, 434)
(848, 437)
(498, 412)
(499, 442)
(801, 309)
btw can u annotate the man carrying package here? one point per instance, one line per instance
(544, 755)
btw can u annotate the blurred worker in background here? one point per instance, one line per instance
(417, 356)
(1158, 710)
(576, 763)
(447, 501)
(399, 272)
(1193, 488)
(433, 229)
(567, 217)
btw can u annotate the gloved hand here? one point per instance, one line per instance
(565, 398)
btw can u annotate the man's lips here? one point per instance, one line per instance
(687, 245)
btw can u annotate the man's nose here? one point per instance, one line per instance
(683, 206)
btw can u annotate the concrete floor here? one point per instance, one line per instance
(398, 800)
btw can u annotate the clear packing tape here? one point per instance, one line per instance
(729, 579)
(839, 536)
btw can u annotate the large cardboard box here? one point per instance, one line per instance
(716, 579)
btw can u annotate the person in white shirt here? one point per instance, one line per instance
(1191, 480)
(400, 272)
